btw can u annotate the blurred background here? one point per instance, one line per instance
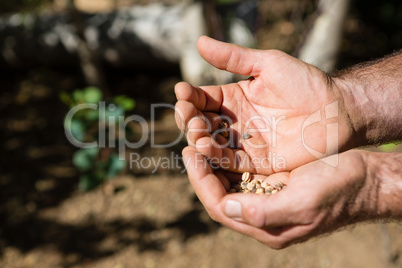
(61, 206)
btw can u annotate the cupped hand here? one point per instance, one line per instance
(318, 199)
(292, 111)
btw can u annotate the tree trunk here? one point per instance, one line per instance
(153, 37)
(322, 42)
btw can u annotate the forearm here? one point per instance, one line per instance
(372, 94)
(381, 194)
(386, 170)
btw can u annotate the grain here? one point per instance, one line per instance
(246, 136)
(223, 126)
(246, 177)
(247, 185)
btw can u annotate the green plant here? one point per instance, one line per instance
(95, 164)
(389, 147)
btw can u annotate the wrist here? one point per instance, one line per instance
(385, 171)
(351, 99)
(372, 95)
(379, 196)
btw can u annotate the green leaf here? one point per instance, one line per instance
(66, 99)
(100, 174)
(77, 129)
(115, 166)
(223, 2)
(81, 161)
(390, 147)
(84, 159)
(92, 95)
(88, 182)
(113, 110)
(91, 115)
(126, 103)
(92, 152)
(78, 96)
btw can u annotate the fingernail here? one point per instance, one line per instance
(233, 210)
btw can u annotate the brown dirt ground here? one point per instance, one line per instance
(156, 221)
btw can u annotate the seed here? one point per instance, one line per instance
(269, 188)
(243, 184)
(246, 177)
(246, 136)
(223, 124)
(258, 186)
(224, 133)
(250, 186)
(284, 187)
(237, 187)
(279, 184)
(260, 190)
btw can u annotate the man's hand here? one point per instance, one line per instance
(286, 107)
(318, 198)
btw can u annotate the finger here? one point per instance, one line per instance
(241, 213)
(207, 186)
(234, 160)
(202, 125)
(213, 120)
(278, 177)
(184, 111)
(230, 57)
(203, 122)
(197, 128)
(185, 91)
(234, 177)
(269, 212)
(208, 98)
(211, 192)
(223, 179)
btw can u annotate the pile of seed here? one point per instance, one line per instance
(247, 185)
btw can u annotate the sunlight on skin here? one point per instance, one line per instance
(318, 199)
(289, 109)
(272, 106)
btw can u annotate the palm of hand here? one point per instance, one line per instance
(284, 109)
(273, 108)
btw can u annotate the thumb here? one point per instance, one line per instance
(263, 212)
(230, 57)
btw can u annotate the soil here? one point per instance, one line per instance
(156, 221)
(145, 217)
